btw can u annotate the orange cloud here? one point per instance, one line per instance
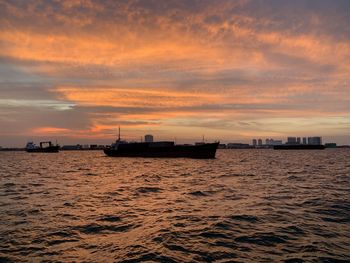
(117, 97)
(50, 130)
(97, 50)
(173, 67)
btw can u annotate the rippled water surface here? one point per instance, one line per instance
(243, 206)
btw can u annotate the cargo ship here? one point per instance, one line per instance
(45, 147)
(161, 149)
(299, 147)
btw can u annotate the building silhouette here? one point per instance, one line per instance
(314, 140)
(272, 142)
(148, 138)
(254, 142)
(291, 140)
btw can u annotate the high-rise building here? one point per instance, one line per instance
(291, 140)
(269, 141)
(298, 140)
(254, 142)
(148, 138)
(259, 142)
(304, 140)
(314, 140)
(277, 142)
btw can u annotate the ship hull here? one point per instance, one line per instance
(205, 151)
(299, 147)
(50, 149)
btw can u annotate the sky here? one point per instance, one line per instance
(75, 70)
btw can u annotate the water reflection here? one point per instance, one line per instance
(246, 205)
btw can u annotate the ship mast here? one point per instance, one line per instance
(119, 134)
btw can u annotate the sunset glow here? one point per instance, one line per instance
(229, 70)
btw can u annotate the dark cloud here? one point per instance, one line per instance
(297, 17)
(24, 118)
(301, 16)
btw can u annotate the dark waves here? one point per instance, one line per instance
(244, 206)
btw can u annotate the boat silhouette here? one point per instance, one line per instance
(299, 147)
(161, 149)
(45, 147)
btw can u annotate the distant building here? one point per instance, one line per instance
(291, 140)
(276, 142)
(238, 146)
(298, 140)
(304, 140)
(222, 146)
(71, 147)
(314, 140)
(259, 142)
(148, 138)
(96, 147)
(271, 142)
(254, 142)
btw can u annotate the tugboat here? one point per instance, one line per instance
(162, 149)
(45, 147)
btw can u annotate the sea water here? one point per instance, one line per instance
(243, 206)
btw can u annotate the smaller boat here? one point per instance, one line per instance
(45, 147)
(299, 147)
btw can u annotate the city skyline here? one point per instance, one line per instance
(230, 70)
(257, 141)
